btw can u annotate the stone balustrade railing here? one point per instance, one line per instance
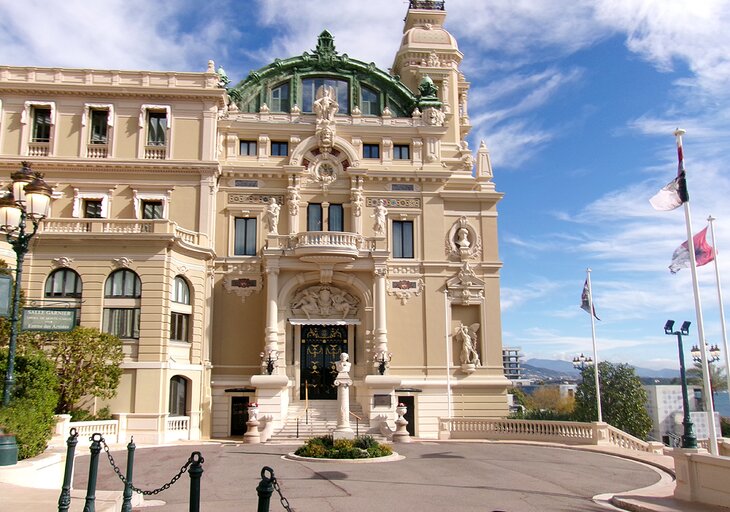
(177, 428)
(565, 432)
(125, 226)
(312, 242)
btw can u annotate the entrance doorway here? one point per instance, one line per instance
(239, 415)
(321, 346)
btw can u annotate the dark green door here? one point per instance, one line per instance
(321, 348)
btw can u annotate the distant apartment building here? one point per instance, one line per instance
(664, 405)
(512, 362)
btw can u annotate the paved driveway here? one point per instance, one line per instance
(433, 477)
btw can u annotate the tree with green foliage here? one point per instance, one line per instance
(623, 399)
(718, 382)
(88, 364)
(30, 415)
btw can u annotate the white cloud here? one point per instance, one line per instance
(114, 34)
(515, 297)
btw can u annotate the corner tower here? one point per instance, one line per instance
(428, 49)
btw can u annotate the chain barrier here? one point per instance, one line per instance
(277, 488)
(169, 484)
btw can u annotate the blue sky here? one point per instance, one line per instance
(577, 102)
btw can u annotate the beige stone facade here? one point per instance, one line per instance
(319, 206)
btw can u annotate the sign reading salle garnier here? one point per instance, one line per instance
(48, 319)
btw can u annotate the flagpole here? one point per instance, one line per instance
(595, 351)
(711, 220)
(698, 307)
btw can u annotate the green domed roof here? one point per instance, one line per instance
(323, 62)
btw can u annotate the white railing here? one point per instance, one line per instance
(39, 148)
(621, 439)
(97, 151)
(155, 152)
(186, 235)
(569, 432)
(126, 226)
(328, 239)
(565, 432)
(177, 428)
(109, 429)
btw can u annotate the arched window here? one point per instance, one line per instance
(63, 282)
(123, 283)
(180, 291)
(64, 286)
(178, 395)
(309, 93)
(122, 304)
(180, 310)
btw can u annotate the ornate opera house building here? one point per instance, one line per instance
(239, 238)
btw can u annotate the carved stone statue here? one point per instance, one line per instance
(293, 201)
(325, 106)
(343, 366)
(462, 238)
(272, 216)
(357, 203)
(467, 334)
(380, 213)
(324, 302)
(433, 116)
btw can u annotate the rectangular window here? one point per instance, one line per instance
(401, 152)
(99, 126)
(403, 239)
(336, 218)
(314, 217)
(122, 322)
(179, 323)
(371, 150)
(244, 243)
(92, 208)
(280, 98)
(279, 148)
(248, 148)
(156, 128)
(41, 124)
(152, 209)
(370, 104)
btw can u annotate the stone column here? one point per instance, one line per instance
(272, 309)
(381, 331)
(343, 383)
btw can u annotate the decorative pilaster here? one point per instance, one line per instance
(381, 331)
(272, 309)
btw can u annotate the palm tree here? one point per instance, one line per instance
(718, 382)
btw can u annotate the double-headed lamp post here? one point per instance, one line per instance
(26, 200)
(688, 439)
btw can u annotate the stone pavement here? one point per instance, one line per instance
(476, 475)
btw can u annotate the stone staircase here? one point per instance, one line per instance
(321, 420)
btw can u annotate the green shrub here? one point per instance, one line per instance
(725, 427)
(30, 413)
(325, 447)
(83, 415)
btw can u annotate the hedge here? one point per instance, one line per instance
(30, 415)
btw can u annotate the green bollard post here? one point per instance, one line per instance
(127, 496)
(265, 489)
(95, 449)
(195, 472)
(64, 500)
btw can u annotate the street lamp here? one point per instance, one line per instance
(582, 362)
(27, 198)
(688, 439)
(713, 354)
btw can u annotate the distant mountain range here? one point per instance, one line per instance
(556, 369)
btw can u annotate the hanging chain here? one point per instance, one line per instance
(169, 484)
(277, 488)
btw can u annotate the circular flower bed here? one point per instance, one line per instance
(362, 447)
